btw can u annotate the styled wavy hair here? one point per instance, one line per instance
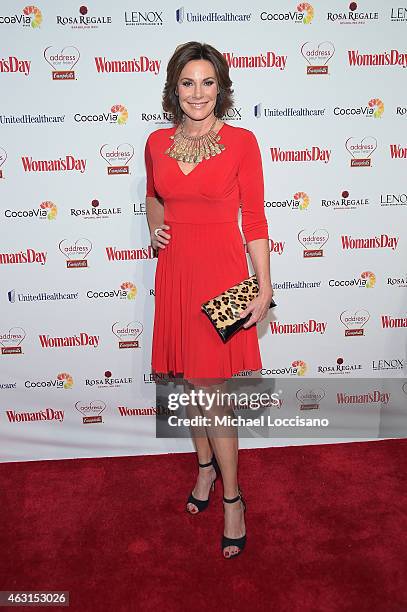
(196, 51)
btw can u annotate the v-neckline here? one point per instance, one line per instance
(199, 163)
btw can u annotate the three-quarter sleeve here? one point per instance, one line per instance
(150, 189)
(251, 188)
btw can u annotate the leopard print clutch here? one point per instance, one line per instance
(223, 310)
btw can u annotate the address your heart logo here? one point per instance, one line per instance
(65, 59)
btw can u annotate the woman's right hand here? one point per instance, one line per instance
(162, 237)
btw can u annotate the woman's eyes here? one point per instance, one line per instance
(187, 83)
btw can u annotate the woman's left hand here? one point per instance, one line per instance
(258, 307)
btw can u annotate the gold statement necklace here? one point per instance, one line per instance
(194, 149)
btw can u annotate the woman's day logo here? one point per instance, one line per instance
(354, 321)
(128, 334)
(76, 252)
(62, 62)
(117, 157)
(313, 242)
(11, 341)
(318, 56)
(360, 150)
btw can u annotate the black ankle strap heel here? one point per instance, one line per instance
(202, 504)
(238, 542)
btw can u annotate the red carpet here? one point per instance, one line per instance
(326, 531)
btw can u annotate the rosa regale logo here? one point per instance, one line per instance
(301, 367)
(62, 61)
(378, 106)
(303, 200)
(122, 113)
(130, 289)
(51, 207)
(36, 18)
(370, 279)
(308, 9)
(67, 378)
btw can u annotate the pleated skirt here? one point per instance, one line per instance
(200, 261)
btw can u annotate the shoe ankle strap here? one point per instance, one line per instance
(232, 501)
(206, 464)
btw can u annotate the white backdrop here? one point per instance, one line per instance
(323, 88)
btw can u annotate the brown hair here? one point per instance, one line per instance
(195, 51)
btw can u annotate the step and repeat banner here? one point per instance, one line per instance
(323, 87)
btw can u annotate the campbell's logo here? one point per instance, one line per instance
(31, 16)
(127, 290)
(310, 399)
(83, 21)
(115, 254)
(80, 339)
(296, 368)
(375, 60)
(313, 242)
(374, 108)
(298, 201)
(384, 241)
(14, 65)
(361, 150)
(366, 280)
(317, 56)
(354, 321)
(141, 64)
(118, 114)
(267, 59)
(62, 61)
(117, 157)
(3, 157)
(91, 411)
(355, 15)
(128, 334)
(62, 381)
(63, 164)
(75, 252)
(22, 257)
(389, 322)
(11, 340)
(304, 13)
(312, 154)
(143, 18)
(304, 327)
(345, 202)
(46, 210)
(398, 151)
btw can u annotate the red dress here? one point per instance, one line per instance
(205, 254)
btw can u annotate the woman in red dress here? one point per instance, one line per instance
(192, 203)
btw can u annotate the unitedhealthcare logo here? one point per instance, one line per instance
(258, 111)
(180, 15)
(11, 296)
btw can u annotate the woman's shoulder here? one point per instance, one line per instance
(240, 133)
(160, 135)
